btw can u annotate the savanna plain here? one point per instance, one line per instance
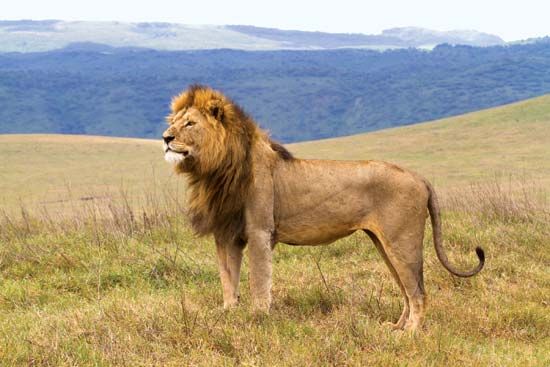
(98, 267)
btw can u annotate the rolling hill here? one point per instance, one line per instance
(512, 139)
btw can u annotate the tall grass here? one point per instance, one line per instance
(118, 279)
(504, 199)
(118, 213)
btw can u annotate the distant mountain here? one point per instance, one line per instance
(297, 95)
(545, 39)
(391, 38)
(45, 35)
(421, 37)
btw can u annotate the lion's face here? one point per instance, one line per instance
(188, 141)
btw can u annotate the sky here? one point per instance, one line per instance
(511, 20)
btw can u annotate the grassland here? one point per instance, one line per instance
(49, 169)
(120, 280)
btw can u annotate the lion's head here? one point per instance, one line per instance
(206, 130)
(209, 140)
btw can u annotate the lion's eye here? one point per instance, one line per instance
(189, 123)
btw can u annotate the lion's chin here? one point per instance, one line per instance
(173, 157)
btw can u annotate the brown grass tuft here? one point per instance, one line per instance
(505, 199)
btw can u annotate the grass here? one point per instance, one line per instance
(118, 279)
(53, 169)
(97, 291)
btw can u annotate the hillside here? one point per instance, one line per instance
(297, 95)
(45, 35)
(512, 139)
(404, 37)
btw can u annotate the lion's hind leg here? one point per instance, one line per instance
(403, 255)
(400, 324)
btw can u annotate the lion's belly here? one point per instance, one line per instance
(310, 236)
(324, 223)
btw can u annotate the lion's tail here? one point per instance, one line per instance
(435, 216)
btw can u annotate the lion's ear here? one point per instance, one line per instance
(216, 109)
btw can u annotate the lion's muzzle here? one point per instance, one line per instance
(173, 157)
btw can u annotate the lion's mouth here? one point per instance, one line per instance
(185, 153)
(167, 149)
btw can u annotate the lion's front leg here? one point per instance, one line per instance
(260, 254)
(260, 227)
(230, 256)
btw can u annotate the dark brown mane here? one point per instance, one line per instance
(281, 151)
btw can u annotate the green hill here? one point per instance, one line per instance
(511, 139)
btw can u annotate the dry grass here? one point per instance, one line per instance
(505, 199)
(109, 284)
(54, 170)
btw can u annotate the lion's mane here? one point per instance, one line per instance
(219, 186)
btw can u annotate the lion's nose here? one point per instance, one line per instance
(168, 138)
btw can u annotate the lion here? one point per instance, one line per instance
(247, 190)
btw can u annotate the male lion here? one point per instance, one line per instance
(246, 189)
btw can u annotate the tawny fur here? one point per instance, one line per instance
(246, 189)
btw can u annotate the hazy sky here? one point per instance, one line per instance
(512, 20)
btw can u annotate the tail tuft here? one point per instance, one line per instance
(481, 255)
